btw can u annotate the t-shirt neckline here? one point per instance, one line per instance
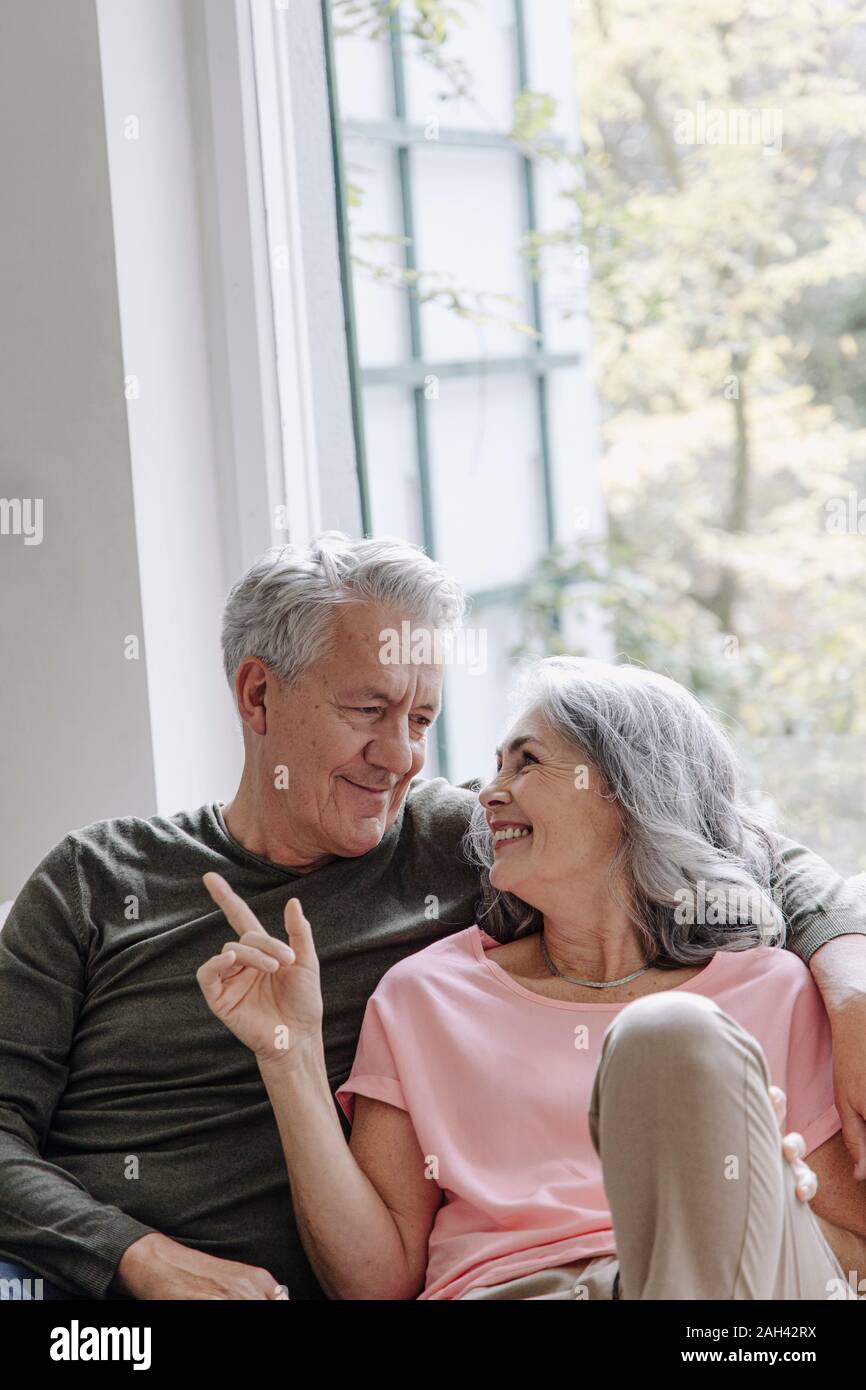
(241, 852)
(509, 981)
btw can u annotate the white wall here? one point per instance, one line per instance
(74, 720)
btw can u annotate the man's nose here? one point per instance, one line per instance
(392, 749)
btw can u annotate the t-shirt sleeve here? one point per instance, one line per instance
(48, 1220)
(809, 1082)
(816, 901)
(375, 1070)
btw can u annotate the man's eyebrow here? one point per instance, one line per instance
(369, 692)
(517, 743)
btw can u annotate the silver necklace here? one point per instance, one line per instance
(591, 984)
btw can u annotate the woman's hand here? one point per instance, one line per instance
(267, 992)
(794, 1150)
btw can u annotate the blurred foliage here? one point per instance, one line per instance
(725, 288)
(439, 287)
(426, 25)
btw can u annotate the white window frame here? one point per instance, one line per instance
(275, 283)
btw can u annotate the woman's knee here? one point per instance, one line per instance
(680, 1010)
(671, 1025)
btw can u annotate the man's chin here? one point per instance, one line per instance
(358, 833)
(362, 836)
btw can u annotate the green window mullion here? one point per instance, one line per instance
(535, 288)
(420, 401)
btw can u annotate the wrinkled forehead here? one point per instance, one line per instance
(531, 725)
(394, 685)
(527, 721)
(382, 653)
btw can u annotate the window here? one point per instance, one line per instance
(475, 432)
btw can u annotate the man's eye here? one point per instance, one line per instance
(422, 720)
(367, 709)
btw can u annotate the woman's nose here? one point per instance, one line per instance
(494, 794)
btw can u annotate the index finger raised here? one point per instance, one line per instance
(237, 913)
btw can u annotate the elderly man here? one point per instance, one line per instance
(139, 1155)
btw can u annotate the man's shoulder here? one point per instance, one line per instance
(130, 838)
(436, 803)
(433, 839)
(106, 860)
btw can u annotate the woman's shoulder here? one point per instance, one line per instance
(760, 965)
(439, 960)
(772, 993)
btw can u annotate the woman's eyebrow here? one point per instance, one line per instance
(517, 743)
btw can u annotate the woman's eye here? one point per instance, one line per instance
(521, 763)
(525, 758)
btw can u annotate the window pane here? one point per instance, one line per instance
(486, 47)
(380, 306)
(565, 278)
(392, 469)
(486, 478)
(572, 415)
(364, 79)
(478, 699)
(468, 222)
(552, 60)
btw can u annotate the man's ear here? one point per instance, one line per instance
(252, 682)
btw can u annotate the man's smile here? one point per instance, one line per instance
(379, 792)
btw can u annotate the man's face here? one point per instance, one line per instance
(352, 732)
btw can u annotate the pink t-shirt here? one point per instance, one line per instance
(497, 1081)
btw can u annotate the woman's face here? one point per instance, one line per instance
(551, 816)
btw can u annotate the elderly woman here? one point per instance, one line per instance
(578, 1098)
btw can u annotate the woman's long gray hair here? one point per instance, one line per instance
(698, 866)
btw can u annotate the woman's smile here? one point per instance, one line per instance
(509, 832)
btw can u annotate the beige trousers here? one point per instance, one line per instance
(703, 1201)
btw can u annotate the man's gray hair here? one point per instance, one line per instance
(687, 839)
(282, 609)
